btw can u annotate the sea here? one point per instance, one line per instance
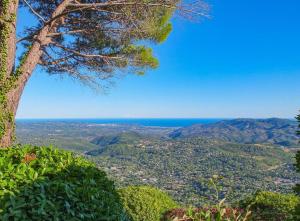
(153, 122)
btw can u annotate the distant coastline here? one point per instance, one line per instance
(152, 122)
(155, 122)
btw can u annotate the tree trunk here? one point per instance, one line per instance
(8, 13)
(12, 82)
(13, 87)
(7, 115)
(7, 129)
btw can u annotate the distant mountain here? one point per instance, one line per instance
(275, 131)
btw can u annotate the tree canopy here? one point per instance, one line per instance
(90, 39)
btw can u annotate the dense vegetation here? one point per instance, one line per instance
(280, 132)
(182, 167)
(145, 156)
(272, 206)
(49, 184)
(41, 183)
(219, 212)
(136, 155)
(77, 136)
(146, 203)
(262, 206)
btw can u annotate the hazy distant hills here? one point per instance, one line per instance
(275, 131)
(87, 136)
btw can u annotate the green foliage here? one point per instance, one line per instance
(108, 42)
(145, 203)
(40, 183)
(4, 32)
(7, 81)
(178, 165)
(272, 206)
(163, 34)
(158, 27)
(141, 57)
(219, 212)
(121, 138)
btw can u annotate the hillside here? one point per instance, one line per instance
(123, 137)
(182, 166)
(146, 155)
(105, 141)
(274, 131)
(80, 136)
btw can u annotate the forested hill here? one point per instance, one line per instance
(183, 166)
(140, 155)
(275, 131)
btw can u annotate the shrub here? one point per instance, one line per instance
(40, 183)
(272, 206)
(145, 203)
(216, 213)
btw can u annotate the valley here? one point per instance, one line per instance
(180, 165)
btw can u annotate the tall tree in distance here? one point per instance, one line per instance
(297, 187)
(298, 159)
(90, 40)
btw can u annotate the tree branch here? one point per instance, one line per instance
(118, 3)
(34, 12)
(35, 52)
(84, 55)
(66, 33)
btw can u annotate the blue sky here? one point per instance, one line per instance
(242, 62)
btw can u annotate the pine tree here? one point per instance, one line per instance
(89, 40)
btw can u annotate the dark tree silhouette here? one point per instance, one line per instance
(298, 160)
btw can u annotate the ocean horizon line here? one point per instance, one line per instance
(153, 122)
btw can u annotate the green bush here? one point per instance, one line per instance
(40, 183)
(145, 203)
(272, 206)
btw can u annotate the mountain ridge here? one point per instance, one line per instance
(245, 130)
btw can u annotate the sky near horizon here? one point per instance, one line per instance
(242, 62)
